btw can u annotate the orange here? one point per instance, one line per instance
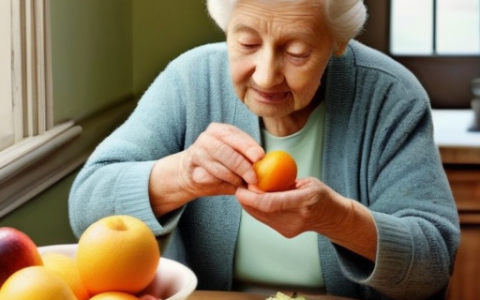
(117, 253)
(114, 296)
(66, 268)
(276, 171)
(35, 283)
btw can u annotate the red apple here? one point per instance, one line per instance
(17, 251)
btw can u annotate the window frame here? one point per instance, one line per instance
(7, 135)
(434, 52)
(31, 93)
(28, 166)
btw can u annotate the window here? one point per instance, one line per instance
(27, 101)
(435, 27)
(27, 132)
(6, 117)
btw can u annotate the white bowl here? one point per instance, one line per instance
(173, 281)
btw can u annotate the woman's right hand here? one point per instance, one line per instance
(221, 160)
(217, 163)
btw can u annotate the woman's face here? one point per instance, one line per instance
(278, 52)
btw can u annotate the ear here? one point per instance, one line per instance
(339, 48)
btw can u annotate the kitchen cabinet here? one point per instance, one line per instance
(460, 152)
(465, 184)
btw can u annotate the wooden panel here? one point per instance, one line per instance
(465, 184)
(470, 218)
(465, 284)
(460, 155)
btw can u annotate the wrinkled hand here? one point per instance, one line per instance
(220, 161)
(311, 206)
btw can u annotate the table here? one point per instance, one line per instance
(217, 295)
(457, 144)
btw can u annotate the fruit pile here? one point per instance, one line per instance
(116, 259)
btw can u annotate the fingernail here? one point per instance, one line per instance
(250, 177)
(254, 154)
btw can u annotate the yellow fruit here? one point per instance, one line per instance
(276, 171)
(117, 253)
(114, 296)
(66, 268)
(35, 283)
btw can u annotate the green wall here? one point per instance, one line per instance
(104, 52)
(92, 60)
(164, 29)
(45, 218)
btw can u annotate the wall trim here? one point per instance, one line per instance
(61, 155)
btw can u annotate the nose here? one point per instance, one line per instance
(267, 69)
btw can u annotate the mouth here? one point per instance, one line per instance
(271, 96)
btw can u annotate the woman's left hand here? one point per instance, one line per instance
(308, 207)
(314, 206)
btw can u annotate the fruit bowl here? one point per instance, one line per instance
(173, 281)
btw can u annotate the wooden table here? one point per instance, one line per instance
(216, 295)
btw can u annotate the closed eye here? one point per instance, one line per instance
(298, 58)
(298, 50)
(249, 45)
(299, 55)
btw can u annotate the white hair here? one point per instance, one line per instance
(344, 18)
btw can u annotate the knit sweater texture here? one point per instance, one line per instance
(378, 150)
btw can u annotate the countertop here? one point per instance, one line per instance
(456, 142)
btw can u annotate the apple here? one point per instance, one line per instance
(17, 251)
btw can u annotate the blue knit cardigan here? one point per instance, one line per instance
(379, 150)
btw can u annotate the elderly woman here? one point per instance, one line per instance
(371, 215)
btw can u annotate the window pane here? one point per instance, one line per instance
(6, 114)
(458, 26)
(411, 27)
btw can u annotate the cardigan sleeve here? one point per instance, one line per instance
(114, 180)
(387, 160)
(402, 181)
(193, 91)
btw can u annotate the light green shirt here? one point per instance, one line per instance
(263, 257)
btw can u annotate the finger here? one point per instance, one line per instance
(205, 155)
(217, 187)
(201, 176)
(236, 163)
(255, 200)
(273, 202)
(238, 140)
(220, 172)
(254, 188)
(222, 144)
